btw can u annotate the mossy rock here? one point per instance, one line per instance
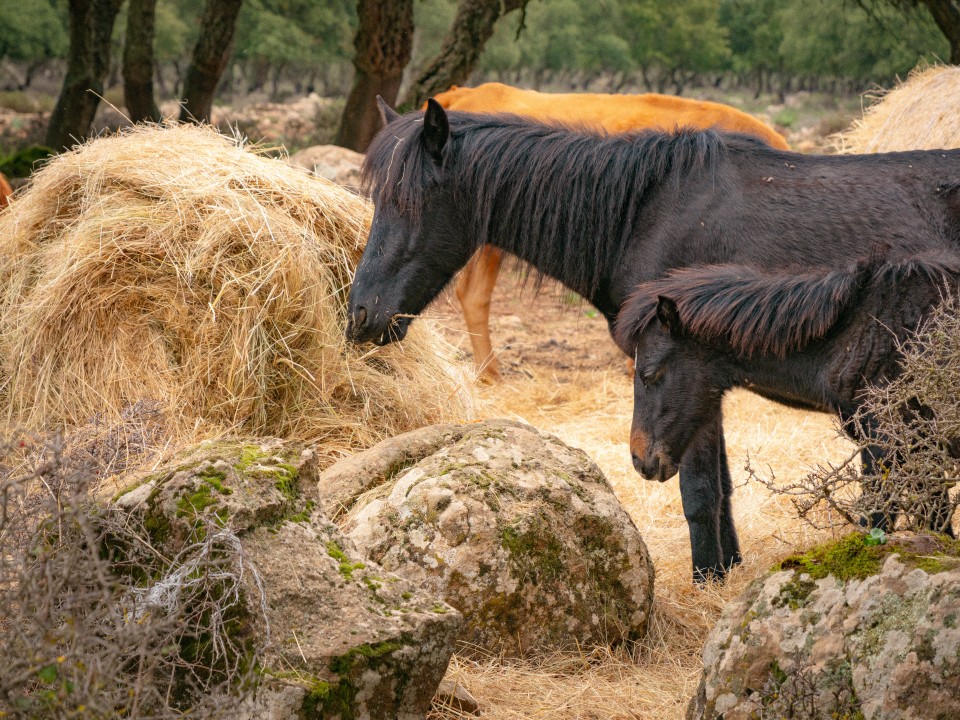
(239, 484)
(846, 630)
(347, 639)
(519, 532)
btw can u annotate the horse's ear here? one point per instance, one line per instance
(436, 130)
(387, 113)
(668, 315)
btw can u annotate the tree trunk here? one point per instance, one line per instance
(946, 14)
(210, 56)
(138, 62)
(88, 61)
(472, 27)
(384, 42)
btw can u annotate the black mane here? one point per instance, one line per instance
(513, 170)
(770, 313)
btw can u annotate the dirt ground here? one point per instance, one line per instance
(562, 373)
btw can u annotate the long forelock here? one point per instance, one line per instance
(397, 167)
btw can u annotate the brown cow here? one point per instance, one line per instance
(613, 113)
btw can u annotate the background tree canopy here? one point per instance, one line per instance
(283, 47)
(666, 43)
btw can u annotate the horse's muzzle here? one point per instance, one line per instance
(362, 328)
(395, 332)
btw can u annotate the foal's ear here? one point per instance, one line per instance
(436, 130)
(668, 315)
(387, 113)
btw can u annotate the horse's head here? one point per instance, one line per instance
(416, 241)
(677, 390)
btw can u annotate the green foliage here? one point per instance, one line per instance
(809, 38)
(174, 29)
(295, 32)
(23, 162)
(33, 30)
(840, 40)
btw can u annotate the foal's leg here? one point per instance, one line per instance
(474, 290)
(701, 490)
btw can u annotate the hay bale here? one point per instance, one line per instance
(922, 113)
(171, 265)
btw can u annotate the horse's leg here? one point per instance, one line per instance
(474, 290)
(701, 493)
(873, 459)
(940, 515)
(728, 532)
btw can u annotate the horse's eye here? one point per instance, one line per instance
(651, 376)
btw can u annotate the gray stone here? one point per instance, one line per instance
(347, 639)
(515, 529)
(451, 695)
(882, 647)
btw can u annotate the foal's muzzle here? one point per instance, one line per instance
(655, 466)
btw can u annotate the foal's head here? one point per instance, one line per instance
(415, 244)
(677, 389)
(695, 332)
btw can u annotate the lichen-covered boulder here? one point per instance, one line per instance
(846, 631)
(340, 636)
(515, 529)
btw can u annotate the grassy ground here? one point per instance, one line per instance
(563, 374)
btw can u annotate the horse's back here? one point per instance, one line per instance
(612, 113)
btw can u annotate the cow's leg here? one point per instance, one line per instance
(474, 290)
(701, 490)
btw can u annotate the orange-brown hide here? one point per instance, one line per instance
(6, 192)
(613, 113)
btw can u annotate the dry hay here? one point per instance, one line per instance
(922, 113)
(172, 266)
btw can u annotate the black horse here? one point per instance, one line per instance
(815, 339)
(603, 213)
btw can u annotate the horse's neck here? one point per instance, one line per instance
(587, 259)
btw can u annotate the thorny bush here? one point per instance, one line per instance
(914, 420)
(95, 621)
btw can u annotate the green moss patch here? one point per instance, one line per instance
(346, 566)
(851, 558)
(321, 699)
(192, 504)
(534, 553)
(325, 700)
(368, 652)
(215, 478)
